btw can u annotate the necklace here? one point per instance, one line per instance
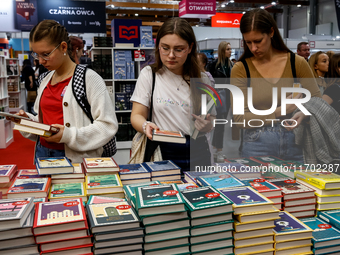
(60, 79)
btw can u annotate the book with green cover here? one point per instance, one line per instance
(321, 179)
(159, 199)
(101, 184)
(332, 217)
(206, 201)
(130, 190)
(219, 181)
(271, 176)
(67, 190)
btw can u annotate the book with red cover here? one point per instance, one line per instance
(67, 244)
(59, 216)
(300, 201)
(263, 186)
(292, 190)
(29, 173)
(7, 173)
(62, 236)
(37, 187)
(100, 164)
(79, 250)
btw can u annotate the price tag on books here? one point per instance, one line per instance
(290, 181)
(259, 180)
(22, 177)
(124, 170)
(324, 226)
(190, 187)
(72, 203)
(170, 192)
(57, 192)
(153, 184)
(212, 195)
(123, 207)
(18, 203)
(94, 184)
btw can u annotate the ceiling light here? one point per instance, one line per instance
(136, 14)
(231, 1)
(262, 7)
(197, 25)
(243, 12)
(273, 3)
(111, 6)
(298, 6)
(337, 37)
(143, 7)
(223, 5)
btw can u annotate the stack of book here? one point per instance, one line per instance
(219, 181)
(191, 176)
(78, 175)
(61, 226)
(167, 226)
(292, 236)
(165, 170)
(29, 187)
(298, 199)
(29, 173)
(16, 222)
(54, 165)
(237, 169)
(100, 166)
(115, 227)
(67, 190)
(7, 176)
(250, 165)
(134, 173)
(254, 220)
(272, 176)
(326, 238)
(211, 221)
(104, 185)
(326, 185)
(266, 188)
(130, 190)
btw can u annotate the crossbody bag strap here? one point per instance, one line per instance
(244, 62)
(292, 64)
(153, 88)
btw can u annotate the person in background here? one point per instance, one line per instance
(269, 64)
(234, 61)
(77, 47)
(319, 62)
(221, 68)
(330, 53)
(56, 104)
(303, 50)
(173, 99)
(332, 93)
(38, 69)
(202, 62)
(30, 84)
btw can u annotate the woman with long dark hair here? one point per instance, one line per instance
(28, 77)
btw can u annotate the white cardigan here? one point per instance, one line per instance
(81, 138)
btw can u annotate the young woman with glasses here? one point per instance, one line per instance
(176, 62)
(57, 106)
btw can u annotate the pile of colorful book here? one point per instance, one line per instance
(61, 226)
(134, 173)
(67, 190)
(165, 170)
(77, 176)
(326, 185)
(115, 226)
(16, 222)
(254, 220)
(7, 176)
(210, 219)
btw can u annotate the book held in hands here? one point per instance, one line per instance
(168, 136)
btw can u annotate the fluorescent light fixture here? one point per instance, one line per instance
(273, 3)
(136, 14)
(111, 6)
(243, 12)
(223, 5)
(298, 6)
(262, 7)
(197, 25)
(337, 37)
(143, 7)
(231, 1)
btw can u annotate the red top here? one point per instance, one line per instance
(51, 105)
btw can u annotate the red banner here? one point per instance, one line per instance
(226, 19)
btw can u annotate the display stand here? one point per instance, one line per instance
(17, 96)
(111, 63)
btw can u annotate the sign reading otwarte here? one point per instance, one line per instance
(226, 20)
(76, 16)
(197, 8)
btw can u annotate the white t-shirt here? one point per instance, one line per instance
(171, 98)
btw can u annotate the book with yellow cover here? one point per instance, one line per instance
(258, 216)
(68, 190)
(321, 179)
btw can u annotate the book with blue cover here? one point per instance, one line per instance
(332, 217)
(246, 199)
(290, 228)
(35, 187)
(133, 171)
(191, 176)
(164, 167)
(219, 181)
(324, 235)
(146, 36)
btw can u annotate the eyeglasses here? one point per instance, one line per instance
(177, 52)
(46, 56)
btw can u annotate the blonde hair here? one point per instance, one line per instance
(313, 60)
(221, 54)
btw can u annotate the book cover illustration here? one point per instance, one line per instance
(132, 169)
(242, 196)
(67, 190)
(322, 231)
(6, 169)
(290, 186)
(53, 162)
(132, 188)
(186, 186)
(261, 185)
(288, 224)
(59, 212)
(220, 181)
(101, 200)
(159, 195)
(99, 162)
(168, 133)
(29, 185)
(162, 165)
(204, 197)
(229, 167)
(192, 175)
(28, 173)
(13, 208)
(103, 181)
(112, 213)
(331, 216)
(245, 161)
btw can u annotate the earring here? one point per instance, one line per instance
(64, 53)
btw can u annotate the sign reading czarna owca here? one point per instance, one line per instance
(197, 8)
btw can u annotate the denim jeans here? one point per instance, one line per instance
(42, 151)
(275, 141)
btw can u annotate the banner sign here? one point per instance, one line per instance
(26, 14)
(337, 10)
(197, 8)
(7, 16)
(76, 16)
(126, 31)
(222, 19)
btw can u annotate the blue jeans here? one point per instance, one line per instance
(42, 151)
(275, 141)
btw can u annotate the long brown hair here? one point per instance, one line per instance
(313, 60)
(51, 31)
(260, 20)
(333, 69)
(221, 58)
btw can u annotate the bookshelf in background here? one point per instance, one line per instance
(17, 96)
(6, 132)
